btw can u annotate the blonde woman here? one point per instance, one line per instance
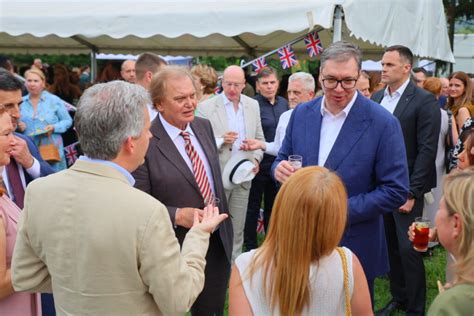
(44, 112)
(205, 78)
(455, 230)
(298, 270)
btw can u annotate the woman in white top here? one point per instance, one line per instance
(298, 270)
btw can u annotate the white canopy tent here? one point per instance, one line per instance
(224, 28)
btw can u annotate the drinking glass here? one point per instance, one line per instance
(422, 230)
(296, 161)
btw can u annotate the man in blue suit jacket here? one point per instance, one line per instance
(360, 141)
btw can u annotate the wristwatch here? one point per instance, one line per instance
(411, 196)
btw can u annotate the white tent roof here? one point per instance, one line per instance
(227, 28)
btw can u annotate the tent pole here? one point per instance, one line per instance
(337, 27)
(93, 75)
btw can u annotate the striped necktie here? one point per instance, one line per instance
(198, 168)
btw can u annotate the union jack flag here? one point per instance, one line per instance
(259, 63)
(313, 44)
(71, 153)
(287, 57)
(260, 225)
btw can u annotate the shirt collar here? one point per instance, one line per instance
(346, 110)
(109, 163)
(42, 96)
(227, 102)
(399, 91)
(173, 131)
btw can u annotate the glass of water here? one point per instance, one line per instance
(296, 161)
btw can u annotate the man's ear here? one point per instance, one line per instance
(128, 145)
(407, 68)
(149, 75)
(158, 107)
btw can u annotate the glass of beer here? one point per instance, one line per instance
(296, 161)
(422, 230)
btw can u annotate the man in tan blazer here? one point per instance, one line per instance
(234, 117)
(100, 245)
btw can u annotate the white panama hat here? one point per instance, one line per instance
(238, 170)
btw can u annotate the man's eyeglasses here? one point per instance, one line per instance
(330, 83)
(232, 84)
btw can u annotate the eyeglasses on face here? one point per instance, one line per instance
(331, 83)
(232, 84)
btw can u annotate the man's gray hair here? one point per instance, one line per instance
(341, 51)
(305, 78)
(107, 114)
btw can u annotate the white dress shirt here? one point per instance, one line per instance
(34, 171)
(330, 127)
(152, 111)
(390, 101)
(175, 134)
(274, 147)
(235, 122)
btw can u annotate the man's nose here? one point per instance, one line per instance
(339, 87)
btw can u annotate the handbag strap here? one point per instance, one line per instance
(346, 280)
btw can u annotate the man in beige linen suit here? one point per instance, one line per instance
(234, 117)
(100, 245)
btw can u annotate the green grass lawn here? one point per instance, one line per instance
(435, 270)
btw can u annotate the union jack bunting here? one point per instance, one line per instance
(260, 226)
(287, 57)
(313, 44)
(259, 63)
(71, 153)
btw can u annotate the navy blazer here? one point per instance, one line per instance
(45, 168)
(369, 156)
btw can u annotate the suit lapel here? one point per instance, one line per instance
(168, 149)
(312, 134)
(221, 114)
(353, 128)
(405, 99)
(248, 119)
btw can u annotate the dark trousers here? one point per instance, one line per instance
(407, 271)
(262, 185)
(47, 304)
(212, 298)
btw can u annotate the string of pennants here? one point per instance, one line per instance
(287, 56)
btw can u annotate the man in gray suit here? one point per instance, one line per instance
(181, 170)
(234, 118)
(102, 246)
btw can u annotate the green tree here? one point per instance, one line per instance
(457, 10)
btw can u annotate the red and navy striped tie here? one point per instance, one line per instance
(198, 168)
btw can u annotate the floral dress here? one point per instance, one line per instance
(468, 124)
(50, 111)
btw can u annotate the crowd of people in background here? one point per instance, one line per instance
(334, 167)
